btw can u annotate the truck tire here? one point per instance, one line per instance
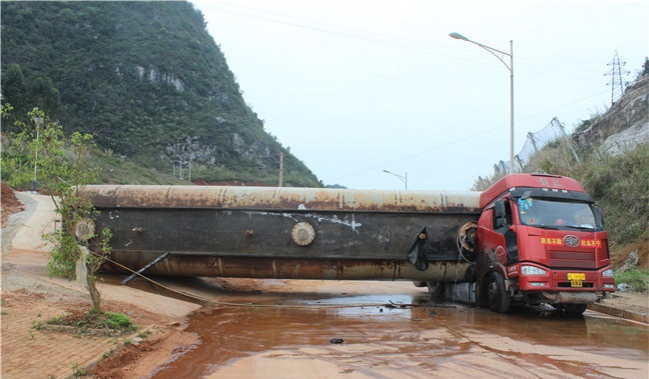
(497, 297)
(574, 309)
(436, 290)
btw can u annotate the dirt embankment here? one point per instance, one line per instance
(10, 204)
(619, 256)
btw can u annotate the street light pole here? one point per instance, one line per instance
(38, 121)
(510, 67)
(404, 179)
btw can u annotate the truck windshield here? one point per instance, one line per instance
(546, 213)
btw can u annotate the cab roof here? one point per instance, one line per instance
(528, 180)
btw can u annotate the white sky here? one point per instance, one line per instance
(357, 87)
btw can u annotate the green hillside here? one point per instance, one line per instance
(147, 80)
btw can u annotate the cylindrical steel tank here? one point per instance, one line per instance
(286, 233)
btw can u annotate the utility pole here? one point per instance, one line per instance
(510, 67)
(403, 178)
(39, 122)
(616, 72)
(281, 170)
(190, 167)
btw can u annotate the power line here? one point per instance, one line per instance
(388, 40)
(455, 142)
(424, 47)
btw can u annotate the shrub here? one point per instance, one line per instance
(118, 321)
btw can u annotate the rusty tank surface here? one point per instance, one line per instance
(284, 233)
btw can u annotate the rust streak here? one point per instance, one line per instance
(274, 198)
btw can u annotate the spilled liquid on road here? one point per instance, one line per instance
(397, 334)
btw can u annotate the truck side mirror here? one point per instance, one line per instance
(501, 214)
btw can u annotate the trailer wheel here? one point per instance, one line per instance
(436, 290)
(497, 296)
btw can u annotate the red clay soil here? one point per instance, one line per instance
(10, 203)
(619, 256)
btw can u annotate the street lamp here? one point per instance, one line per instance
(39, 122)
(510, 67)
(404, 179)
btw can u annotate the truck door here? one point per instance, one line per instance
(503, 222)
(497, 242)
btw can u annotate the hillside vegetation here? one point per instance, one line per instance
(616, 176)
(147, 80)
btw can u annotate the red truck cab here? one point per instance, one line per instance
(541, 239)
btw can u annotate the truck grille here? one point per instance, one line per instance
(566, 259)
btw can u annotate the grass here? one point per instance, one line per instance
(78, 371)
(636, 278)
(93, 322)
(118, 171)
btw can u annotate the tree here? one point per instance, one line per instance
(43, 93)
(61, 167)
(14, 87)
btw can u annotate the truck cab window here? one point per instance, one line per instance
(502, 215)
(549, 213)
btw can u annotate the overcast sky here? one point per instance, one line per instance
(357, 87)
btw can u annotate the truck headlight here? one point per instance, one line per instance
(531, 270)
(607, 273)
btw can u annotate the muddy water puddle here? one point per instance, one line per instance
(229, 332)
(263, 329)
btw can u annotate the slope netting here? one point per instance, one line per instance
(535, 141)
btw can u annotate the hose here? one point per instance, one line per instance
(466, 240)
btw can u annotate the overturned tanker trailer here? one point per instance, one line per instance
(287, 233)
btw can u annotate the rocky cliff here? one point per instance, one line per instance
(624, 125)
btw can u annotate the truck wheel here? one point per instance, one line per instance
(497, 297)
(436, 290)
(419, 284)
(574, 309)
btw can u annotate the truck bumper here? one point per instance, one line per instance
(558, 281)
(564, 297)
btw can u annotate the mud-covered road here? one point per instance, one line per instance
(285, 329)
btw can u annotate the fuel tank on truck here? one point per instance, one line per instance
(284, 233)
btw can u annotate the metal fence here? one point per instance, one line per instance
(552, 132)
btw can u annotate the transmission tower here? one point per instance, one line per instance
(616, 72)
